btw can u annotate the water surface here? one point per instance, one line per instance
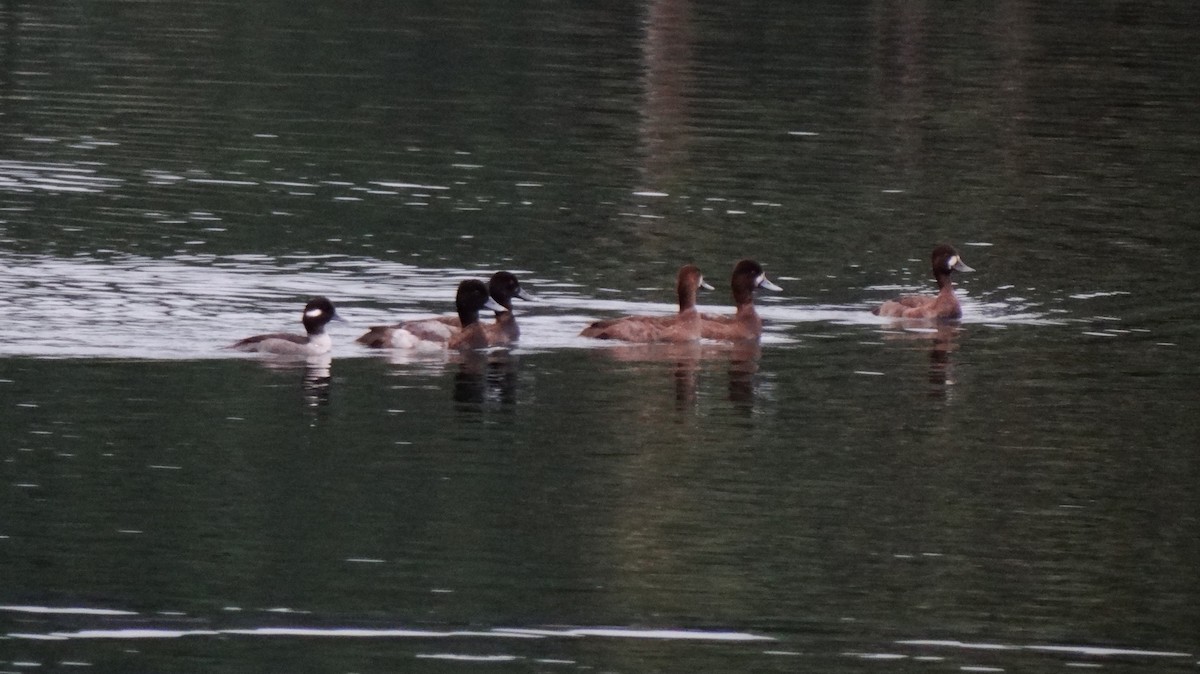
(1015, 492)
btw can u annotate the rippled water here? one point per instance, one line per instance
(127, 306)
(1015, 492)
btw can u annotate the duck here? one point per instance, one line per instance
(681, 327)
(944, 260)
(471, 297)
(503, 286)
(318, 312)
(745, 323)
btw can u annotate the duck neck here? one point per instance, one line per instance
(943, 281)
(743, 299)
(687, 297)
(467, 316)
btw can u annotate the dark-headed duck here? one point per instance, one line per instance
(945, 261)
(681, 327)
(471, 297)
(317, 314)
(503, 287)
(745, 323)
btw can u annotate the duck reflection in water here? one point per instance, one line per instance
(689, 360)
(317, 380)
(942, 340)
(743, 375)
(484, 379)
(685, 356)
(316, 375)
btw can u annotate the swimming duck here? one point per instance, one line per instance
(317, 314)
(745, 324)
(944, 306)
(681, 327)
(471, 297)
(503, 287)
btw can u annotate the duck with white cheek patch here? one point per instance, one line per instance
(317, 314)
(745, 324)
(944, 306)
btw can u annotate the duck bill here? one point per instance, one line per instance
(704, 285)
(764, 283)
(527, 296)
(494, 306)
(962, 266)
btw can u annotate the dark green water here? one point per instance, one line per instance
(1017, 493)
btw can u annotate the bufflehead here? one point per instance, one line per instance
(317, 314)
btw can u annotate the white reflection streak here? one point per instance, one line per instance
(628, 633)
(409, 186)
(125, 634)
(354, 633)
(467, 658)
(958, 644)
(1103, 651)
(359, 633)
(1079, 650)
(23, 176)
(66, 611)
(345, 633)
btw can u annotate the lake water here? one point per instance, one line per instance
(1014, 493)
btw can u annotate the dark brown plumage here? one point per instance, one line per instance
(745, 323)
(681, 327)
(944, 306)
